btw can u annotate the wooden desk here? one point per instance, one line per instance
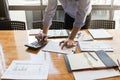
(13, 47)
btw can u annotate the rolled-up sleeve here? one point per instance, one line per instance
(49, 12)
(84, 8)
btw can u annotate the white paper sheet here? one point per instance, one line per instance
(27, 70)
(51, 33)
(53, 46)
(55, 33)
(35, 31)
(94, 46)
(95, 74)
(100, 34)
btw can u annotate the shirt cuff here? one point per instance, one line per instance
(47, 23)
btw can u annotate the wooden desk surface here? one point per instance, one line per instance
(13, 48)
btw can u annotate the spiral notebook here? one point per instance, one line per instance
(84, 61)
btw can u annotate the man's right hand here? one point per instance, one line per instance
(41, 37)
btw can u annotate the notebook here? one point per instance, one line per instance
(94, 46)
(84, 61)
(53, 46)
(61, 33)
(26, 70)
(100, 34)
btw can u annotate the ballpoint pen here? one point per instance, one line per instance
(79, 34)
(118, 64)
(92, 56)
(73, 51)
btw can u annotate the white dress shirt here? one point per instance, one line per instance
(77, 9)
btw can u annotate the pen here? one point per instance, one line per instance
(78, 35)
(92, 56)
(73, 51)
(118, 64)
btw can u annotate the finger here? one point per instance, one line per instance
(44, 39)
(61, 43)
(64, 45)
(38, 37)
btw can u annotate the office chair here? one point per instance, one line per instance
(37, 25)
(106, 24)
(17, 25)
(55, 25)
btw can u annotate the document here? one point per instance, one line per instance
(53, 46)
(84, 61)
(51, 33)
(100, 34)
(35, 31)
(83, 36)
(26, 70)
(58, 33)
(95, 74)
(94, 46)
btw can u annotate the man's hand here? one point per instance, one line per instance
(70, 41)
(67, 43)
(41, 37)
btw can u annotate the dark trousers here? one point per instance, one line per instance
(5, 25)
(69, 22)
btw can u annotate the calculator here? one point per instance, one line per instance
(36, 44)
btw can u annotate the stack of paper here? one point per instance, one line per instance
(53, 46)
(27, 70)
(100, 34)
(94, 46)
